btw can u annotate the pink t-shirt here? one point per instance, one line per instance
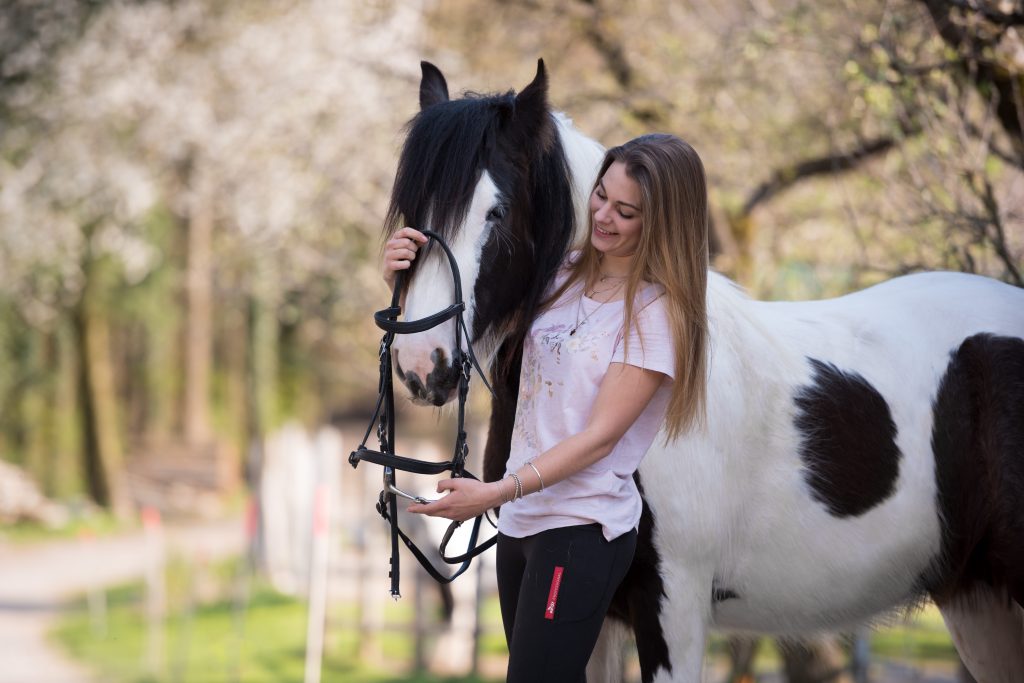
(558, 384)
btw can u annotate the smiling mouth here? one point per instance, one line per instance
(604, 233)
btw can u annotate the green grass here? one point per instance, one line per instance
(265, 642)
(215, 642)
(93, 524)
(922, 637)
(919, 638)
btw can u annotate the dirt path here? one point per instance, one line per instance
(36, 583)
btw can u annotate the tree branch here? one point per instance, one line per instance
(986, 73)
(999, 239)
(652, 112)
(785, 178)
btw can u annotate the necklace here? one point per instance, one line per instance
(579, 306)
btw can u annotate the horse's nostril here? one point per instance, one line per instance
(412, 381)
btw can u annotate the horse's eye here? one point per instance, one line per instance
(496, 214)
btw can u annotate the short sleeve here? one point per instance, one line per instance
(651, 347)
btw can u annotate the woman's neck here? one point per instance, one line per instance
(616, 266)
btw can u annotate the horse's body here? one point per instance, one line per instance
(812, 500)
(860, 453)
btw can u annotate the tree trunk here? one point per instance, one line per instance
(34, 406)
(101, 443)
(199, 335)
(234, 356)
(65, 475)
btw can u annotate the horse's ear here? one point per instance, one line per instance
(531, 110)
(433, 87)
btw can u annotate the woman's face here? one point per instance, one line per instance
(615, 210)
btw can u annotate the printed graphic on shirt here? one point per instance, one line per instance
(560, 336)
(550, 342)
(556, 583)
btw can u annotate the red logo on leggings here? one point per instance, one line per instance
(556, 583)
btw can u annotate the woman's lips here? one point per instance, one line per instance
(604, 233)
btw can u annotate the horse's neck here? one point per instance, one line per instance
(584, 156)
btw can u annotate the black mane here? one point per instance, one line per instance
(447, 148)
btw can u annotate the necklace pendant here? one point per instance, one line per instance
(572, 331)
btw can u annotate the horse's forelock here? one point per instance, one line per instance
(447, 147)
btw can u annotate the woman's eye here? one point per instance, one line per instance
(626, 216)
(495, 214)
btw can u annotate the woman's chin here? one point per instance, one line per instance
(602, 242)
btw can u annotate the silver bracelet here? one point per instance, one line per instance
(501, 490)
(537, 472)
(518, 494)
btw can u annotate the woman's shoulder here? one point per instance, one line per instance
(564, 270)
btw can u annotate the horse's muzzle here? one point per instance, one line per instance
(440, 384)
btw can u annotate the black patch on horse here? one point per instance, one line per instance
(848, 441)
(978, 443)
(637, 602)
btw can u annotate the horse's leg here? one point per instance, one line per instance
(811, 659)
(607, 663)
(988, 630)
(742, 650)
(684, 622)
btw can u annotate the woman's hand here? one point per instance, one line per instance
(467, 498)
(399, 252)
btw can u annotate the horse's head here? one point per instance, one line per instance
(489, 174)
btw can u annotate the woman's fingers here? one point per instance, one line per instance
(412, 233)
(400, 251)
(465, 499)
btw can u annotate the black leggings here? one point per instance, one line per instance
(555, 588)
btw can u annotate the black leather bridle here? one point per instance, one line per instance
(384, 417)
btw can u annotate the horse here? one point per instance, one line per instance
(860, 454)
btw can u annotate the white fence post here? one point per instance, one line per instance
(328, 454)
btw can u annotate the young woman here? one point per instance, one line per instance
(617, 352)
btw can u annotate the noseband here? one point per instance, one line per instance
(384, 417)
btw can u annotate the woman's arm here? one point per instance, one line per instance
(624, 393)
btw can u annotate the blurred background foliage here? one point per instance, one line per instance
(191, 191)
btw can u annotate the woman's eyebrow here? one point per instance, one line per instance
(600, 183)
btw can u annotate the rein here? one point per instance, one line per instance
(384, 416)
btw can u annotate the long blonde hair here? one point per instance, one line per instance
(673, 252)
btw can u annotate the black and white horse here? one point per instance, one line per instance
(860, 453)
